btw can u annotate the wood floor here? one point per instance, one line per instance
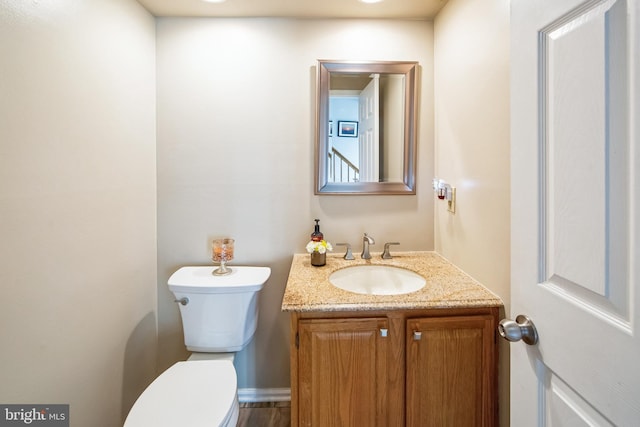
(267, 414)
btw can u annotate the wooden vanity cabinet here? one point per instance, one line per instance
(341, 363)
(450, 371)
(397, 368)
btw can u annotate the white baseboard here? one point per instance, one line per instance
(264, 394)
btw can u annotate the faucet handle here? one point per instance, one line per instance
(348, 255)
(386, 254)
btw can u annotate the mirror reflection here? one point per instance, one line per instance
(365, 134)
(367, 113)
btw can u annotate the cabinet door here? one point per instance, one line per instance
(451, 371)
(342, 372)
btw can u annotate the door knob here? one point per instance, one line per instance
(520, 329)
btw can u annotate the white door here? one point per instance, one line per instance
(369, 134)
(575, 249)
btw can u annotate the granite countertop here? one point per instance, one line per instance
(308, 287)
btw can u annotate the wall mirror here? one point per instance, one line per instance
(365, 127)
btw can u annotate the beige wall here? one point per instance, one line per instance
(235, 158)
(472, 145)
(77, 205)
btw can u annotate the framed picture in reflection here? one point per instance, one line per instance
(348, 129)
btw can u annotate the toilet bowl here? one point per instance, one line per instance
(190, 394)
(219, 317)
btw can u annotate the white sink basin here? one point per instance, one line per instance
(377, 280)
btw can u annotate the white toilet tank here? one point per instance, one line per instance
(219, 313)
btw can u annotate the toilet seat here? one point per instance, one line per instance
(190, 394)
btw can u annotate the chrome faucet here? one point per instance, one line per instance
(366, 241)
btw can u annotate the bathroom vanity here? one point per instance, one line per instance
(426, 358)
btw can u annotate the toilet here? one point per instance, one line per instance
(219, 317)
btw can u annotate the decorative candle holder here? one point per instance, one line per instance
(222, 252)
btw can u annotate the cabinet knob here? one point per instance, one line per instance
(417, 335)
(384, 332)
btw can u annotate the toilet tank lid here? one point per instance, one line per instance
(202, 280)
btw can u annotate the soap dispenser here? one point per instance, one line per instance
(318, 257)
(317, 235)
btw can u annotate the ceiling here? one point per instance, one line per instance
(397, 9)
